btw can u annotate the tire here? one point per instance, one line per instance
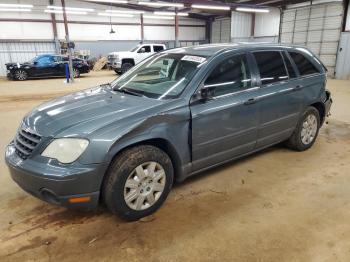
(308, 127)
(130, 197)
(76, 73)
(20, 75)
(126, 67)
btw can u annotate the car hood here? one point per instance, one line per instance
(121, 53)
(18, 65)
(85, 112)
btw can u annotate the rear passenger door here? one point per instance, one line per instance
(279, 97)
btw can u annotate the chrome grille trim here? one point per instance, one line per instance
(25, 142)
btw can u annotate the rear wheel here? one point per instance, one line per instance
(306, 131)
(138, 182)
(126, 67)
(21, 75)
(76, 73)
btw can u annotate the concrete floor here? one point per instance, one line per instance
(277, 205)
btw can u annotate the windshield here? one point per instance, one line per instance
(135, 48)
(164, 76)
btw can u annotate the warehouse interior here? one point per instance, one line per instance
(273, 205)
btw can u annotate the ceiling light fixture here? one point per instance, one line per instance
(252, 10)
(67, 12)
(70, 8)
(115, 15)
(16, 5)
(158, 17)
(170, 13)
(109, 2)
(125, 12)
(161, 4)
(213, 7)
(14, 10)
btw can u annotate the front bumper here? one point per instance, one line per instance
(116, 65)
(72, 186)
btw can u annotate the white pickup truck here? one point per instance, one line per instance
(123, 61)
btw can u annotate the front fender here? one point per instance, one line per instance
(172, 127)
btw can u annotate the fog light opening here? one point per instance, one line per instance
(49, 196)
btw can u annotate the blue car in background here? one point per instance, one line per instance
(44, 66)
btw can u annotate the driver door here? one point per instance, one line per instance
(225, 125)
(44, 66)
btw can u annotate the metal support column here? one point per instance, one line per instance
(70, 65)
(176, 28)
(54, 30)
(142, 29)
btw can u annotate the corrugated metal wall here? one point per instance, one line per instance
(317, 27)
(343, 66)
(22, 52)
(221, 31)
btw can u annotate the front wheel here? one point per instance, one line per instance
(126, 67)
(138, 182)
(306, 131)
(21, 75)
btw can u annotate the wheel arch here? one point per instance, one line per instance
(128, 60)
(321, 110)
(160, 143)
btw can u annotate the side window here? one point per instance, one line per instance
(45, 60)
(158, 48)
(147, 49)
(57, 59)
(289, 66)
(304, 66)
(230, 76)
(271, 66)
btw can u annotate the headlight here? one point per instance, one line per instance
(66, 150)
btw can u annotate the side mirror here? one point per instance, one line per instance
(205, 93)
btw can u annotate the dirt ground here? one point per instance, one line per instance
(277, 205)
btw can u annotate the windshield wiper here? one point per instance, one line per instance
(127, 91)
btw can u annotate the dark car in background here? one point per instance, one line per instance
(45, 66)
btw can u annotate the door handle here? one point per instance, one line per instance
(250, 101)
(297, 88)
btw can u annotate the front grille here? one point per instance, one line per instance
(25, 143)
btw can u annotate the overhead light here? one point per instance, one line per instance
(67, 12)
(116, 15)
(214, 7)
(158, 17)
(161, 4)
(16, 5)
(70, 8)
(252, 10)
(14, 10)
(110, 1)
(125, 11)
(170, 13)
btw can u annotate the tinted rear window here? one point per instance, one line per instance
(271, 66)
(158, 48)
(304, 66)
(289, 66)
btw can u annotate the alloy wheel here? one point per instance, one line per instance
(309, 129)
(21, 75)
